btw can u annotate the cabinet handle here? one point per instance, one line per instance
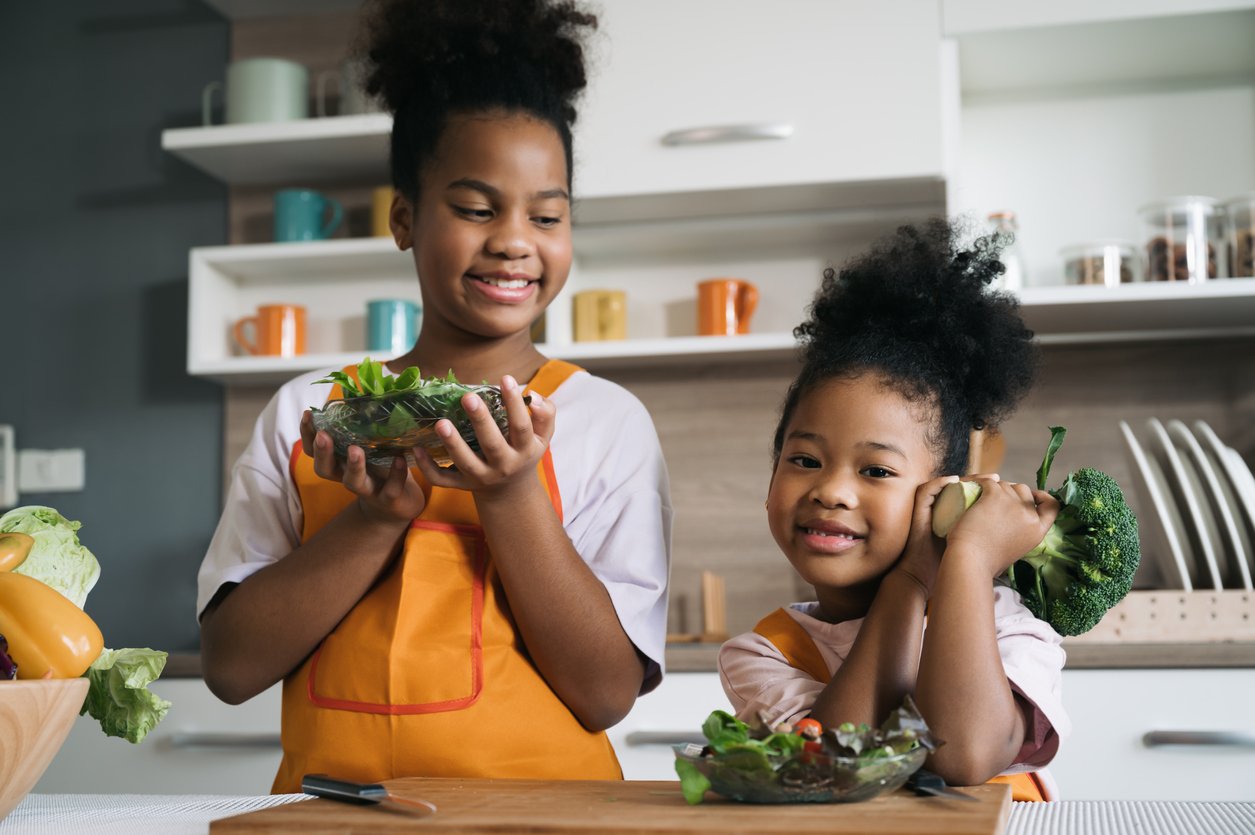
(716, 134)
(639, 739)
(196, 739)
(1235, 739)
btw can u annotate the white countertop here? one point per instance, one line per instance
(142, 814)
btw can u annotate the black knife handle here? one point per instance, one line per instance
(320, 785)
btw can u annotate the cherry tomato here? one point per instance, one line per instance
(809, 728)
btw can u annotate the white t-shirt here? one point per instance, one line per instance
(616, 503)
(757, 677)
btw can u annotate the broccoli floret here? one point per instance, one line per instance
(1085, 563)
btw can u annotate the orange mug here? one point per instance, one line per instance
(278, 330)
(724, 306)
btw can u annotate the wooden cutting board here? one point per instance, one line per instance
(619, 808)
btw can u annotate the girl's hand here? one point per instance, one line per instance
(506, 462)
(1005, 523)
(923, 549)
(393, 496)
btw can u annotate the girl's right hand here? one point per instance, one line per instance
(394, 497)
(924, 549)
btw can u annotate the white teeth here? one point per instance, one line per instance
(826, 533)
(507, 283)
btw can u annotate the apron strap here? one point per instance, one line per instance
(797, 647)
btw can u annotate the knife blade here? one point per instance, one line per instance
(926, 783)
(362, 794)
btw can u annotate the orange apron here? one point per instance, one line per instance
(798, 648)
(427, 675)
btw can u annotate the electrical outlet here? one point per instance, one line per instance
(50, 470)
(8, 467)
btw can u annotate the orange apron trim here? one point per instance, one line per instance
(427, 675)
(794, 644)
(1025, 786)
(799, 649)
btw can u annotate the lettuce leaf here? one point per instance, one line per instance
(57, 558)
(118, 696)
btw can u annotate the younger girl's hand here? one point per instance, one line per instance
(1005, 523)
(924, 549)
(393, 496)
(505, 462)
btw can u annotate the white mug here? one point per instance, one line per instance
(261, 90)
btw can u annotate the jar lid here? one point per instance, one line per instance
(1100, 247)
(1180, 205)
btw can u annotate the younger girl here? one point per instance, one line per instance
(494, 618)
(905, 353)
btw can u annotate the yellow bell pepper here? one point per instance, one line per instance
(45, 630)
(14, 548)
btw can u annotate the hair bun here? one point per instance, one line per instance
(921, 297)
(442, 53)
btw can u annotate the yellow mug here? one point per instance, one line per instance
(600, 315)
(381, 212)
(278, 330)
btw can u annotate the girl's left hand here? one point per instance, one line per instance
(1005, 523)
(505, 462)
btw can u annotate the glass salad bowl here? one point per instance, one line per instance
(750, 777)
(803, 763)
(389, 425)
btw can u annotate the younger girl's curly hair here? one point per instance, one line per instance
(916, 310)
(430, 59)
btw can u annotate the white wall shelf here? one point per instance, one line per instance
(229, 282)
(335, 149)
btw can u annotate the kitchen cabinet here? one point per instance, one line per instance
(203, 746)
(850, 90)
(1112, 711)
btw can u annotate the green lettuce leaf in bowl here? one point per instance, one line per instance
(387, 416)
(777, 765)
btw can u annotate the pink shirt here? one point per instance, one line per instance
(757, 678)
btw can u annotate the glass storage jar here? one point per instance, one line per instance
(1240, 222)
(1013, 277)
(1107, 263)
(1182, 237)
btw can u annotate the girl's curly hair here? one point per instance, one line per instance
(429, 59)
(916, 310)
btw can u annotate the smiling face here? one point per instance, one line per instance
(491, 230)
(843, 490)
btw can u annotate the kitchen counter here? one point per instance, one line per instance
(700, 658)
(85, 814)
(1082, 655)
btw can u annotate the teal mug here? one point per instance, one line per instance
(391, 325)
(300, 213)
(260, 90)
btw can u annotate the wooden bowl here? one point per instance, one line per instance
(35, 718)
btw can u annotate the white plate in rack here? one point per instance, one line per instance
(1232, 552)
(1159, 522)
(1198, 526)
(1236, 484)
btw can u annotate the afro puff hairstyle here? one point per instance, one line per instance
(430, 59)
(917, 311)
